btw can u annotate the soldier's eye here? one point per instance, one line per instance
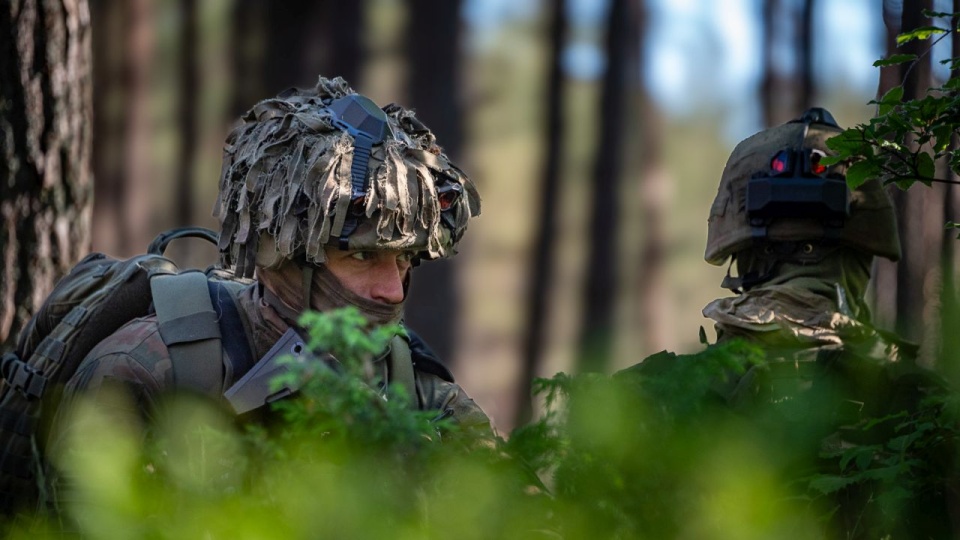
(361, 255)
(406, 256)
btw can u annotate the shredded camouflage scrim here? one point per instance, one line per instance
(285, 186)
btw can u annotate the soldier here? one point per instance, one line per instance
(325, 201)
(803, 245)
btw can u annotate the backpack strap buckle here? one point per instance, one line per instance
(21, 377)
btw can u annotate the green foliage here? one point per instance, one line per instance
(678, 446)
(904, 142)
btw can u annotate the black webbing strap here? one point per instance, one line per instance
(234, 339)
(21, 377)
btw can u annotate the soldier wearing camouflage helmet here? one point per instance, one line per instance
(326, 201)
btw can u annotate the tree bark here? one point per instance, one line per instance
(45, 151)
(541, 276)
(433, 306)
(596, 338)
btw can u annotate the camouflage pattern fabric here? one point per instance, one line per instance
(135, 360)
(285, 187)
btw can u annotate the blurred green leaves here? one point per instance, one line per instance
(667, 449)
(906, 140)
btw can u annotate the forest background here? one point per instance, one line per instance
(595, 130)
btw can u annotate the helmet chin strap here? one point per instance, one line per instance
(747, 281)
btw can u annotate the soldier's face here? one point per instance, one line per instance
(375, 275)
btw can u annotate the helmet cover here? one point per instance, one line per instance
(289, 185)
(869, 226)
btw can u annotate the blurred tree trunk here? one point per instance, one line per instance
(247, 39)
(107, 22)
(122, 153)
(309, 38)
(920, 211)
(594, 350)
(45, 151)
(189, 92)
(433, 307)
(772, 85)
(137, 206)
(541, 277)
(279, 45)
(883, 287)
(654, 203)
(949, 360)
(806, 87)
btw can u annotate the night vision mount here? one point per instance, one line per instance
(360, 117)
(798, 186)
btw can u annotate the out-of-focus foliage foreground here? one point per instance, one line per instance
(636, 455)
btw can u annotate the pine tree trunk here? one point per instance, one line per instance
(806, 90)
(652, 286)
(45, 151)
(541, 277)
(433, 307)
(918, 208)
(883, 286)
(597, 327)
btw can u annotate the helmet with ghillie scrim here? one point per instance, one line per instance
(328, 167)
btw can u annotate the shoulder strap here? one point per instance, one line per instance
(400, 369)
(424, 359)
(234, 339)
(189, 329)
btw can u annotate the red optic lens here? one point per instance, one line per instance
(779, 163)
(815, 166)
(447, 199)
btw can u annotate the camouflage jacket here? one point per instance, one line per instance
(136, 359)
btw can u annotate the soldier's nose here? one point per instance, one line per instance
(388, 287)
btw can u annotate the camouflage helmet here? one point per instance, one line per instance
(328, 167)
(774, 189)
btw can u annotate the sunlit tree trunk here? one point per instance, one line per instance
(45, 159)
(541, 277)
(433, 308)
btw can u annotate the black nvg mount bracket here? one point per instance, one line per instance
(360, 117)
(795, 188)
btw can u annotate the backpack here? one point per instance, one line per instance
(98, 296)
